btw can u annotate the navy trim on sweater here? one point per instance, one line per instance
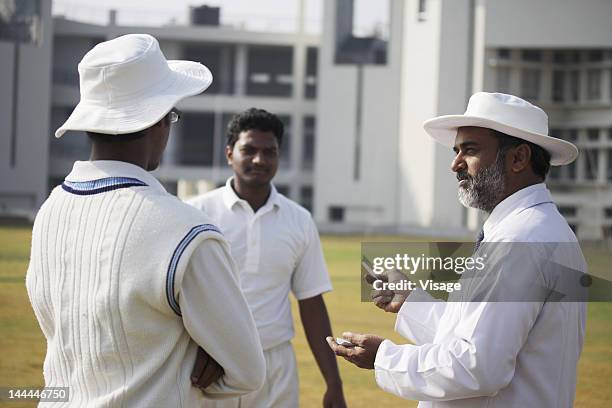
(101, 185)
(176, 256)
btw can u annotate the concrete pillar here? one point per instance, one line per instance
(240, 70)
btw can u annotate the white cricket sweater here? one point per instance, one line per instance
(110, 249)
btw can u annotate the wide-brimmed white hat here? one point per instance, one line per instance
(127, 85)
(507, 114)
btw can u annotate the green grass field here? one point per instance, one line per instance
(23, 347)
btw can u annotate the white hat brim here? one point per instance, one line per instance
(186, 78)
(443, 130)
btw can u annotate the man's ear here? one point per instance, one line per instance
(229, 152)
(520, 158)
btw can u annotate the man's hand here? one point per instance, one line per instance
(334, 397)
(363, 353)
(205, 370)
(389, 300)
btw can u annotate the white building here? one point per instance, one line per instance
(377, 169)
(365, 99)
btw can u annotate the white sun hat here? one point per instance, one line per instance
(507, 114)
(127, 85)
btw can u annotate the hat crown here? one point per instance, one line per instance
(509, 110)
(121, 68)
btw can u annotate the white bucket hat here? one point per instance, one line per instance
(127, 85)
(507, 114)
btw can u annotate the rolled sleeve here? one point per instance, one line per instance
(419, 316)
(218, 319)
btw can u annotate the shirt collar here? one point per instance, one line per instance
(515, 203)
(230, 198)
(99, 169)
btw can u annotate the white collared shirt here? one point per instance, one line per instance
(493, 354)
(277, 250)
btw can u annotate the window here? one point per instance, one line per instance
(530, 83)
(608, 212)
(503, 53)
(336, 214)
(554, 173)
(503, 79)
(609, 169)
(269, 71)
(306, 197)
(567, 211)
(558, 91)
(531, 55)
(571, 171)
(282, 189)
(572, 135)
(595, 55)
(220, 60)
(308, 150)
(310, 86)
(591, 162)
(285, 151)
(574, 86)
(195, 144)
(594, 84)
(593, 135)
(221, 138)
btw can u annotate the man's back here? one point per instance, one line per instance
(108, 258)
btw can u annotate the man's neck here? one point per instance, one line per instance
(256, 196)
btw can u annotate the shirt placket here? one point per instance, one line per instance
(253, 242)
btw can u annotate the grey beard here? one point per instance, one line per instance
(486, 189)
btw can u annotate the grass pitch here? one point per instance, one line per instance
(23, 346)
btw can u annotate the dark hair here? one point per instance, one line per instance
(125, 137)
(540, 158)
(254, 119)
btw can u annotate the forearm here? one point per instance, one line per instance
(317, 327)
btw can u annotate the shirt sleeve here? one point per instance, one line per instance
(419, 317)
(310, 277)
(210, 297)
(478, 357)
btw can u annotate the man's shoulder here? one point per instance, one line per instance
(294, 209)
(202, 201)
(539, 223)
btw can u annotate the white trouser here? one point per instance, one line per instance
(281, 388)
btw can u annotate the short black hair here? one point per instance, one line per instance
(125, 137)
(254, 119)
(540, 158)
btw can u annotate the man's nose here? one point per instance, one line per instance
(458, 163)
(259, 158)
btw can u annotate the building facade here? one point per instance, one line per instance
(355, 152)
(392, 176)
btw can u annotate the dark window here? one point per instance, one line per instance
(336, 214)
(591, 162)
(222, 137)
(310, 86)
(220, 60)
(530, 83)
(422, 6)
(572, 135)
(571, 171)
(531, 55)
(285, 150)
(555, 173)
(270, 71)
(595, 55)
(195, 145)
(283, 189)
(594, 84)
(558, 90)
(306, 197)
(593, 134)
(608, 212)
(574, 85)
(609, 169)
(308, 151)
(567, 211)
(503, 53)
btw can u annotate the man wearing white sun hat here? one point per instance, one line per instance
(492, 347)
(136, 292)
